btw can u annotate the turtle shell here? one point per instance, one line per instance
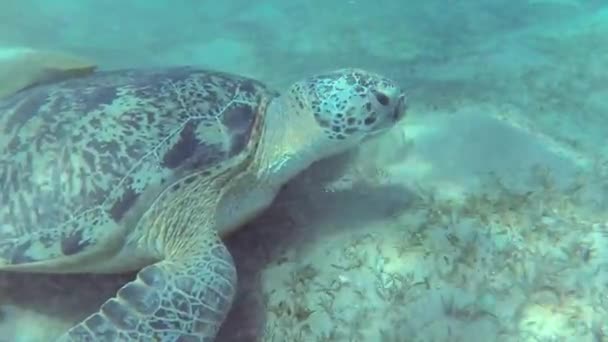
(76, 157)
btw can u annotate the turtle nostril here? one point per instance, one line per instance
(382, 98)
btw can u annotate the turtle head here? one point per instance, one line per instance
(348, 106)
(328, 114)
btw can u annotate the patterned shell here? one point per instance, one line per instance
(78, 151)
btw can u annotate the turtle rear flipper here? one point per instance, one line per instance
(22, 68)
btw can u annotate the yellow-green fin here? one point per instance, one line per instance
(24, 67)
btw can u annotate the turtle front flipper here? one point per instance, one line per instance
(185, 298)
(21, 68)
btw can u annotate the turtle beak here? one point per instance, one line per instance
(400, 108)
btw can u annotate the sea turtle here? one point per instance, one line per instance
(147, 169)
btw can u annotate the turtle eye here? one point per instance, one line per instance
(382, 98)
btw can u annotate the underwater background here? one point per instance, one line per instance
(482, 217)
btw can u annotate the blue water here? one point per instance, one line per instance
(482, 217)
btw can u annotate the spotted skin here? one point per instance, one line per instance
(78, 155)
(350, 102)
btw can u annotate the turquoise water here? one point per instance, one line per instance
(481, 217)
